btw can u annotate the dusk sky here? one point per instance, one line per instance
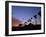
(24, 13)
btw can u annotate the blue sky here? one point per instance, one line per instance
(24, 13)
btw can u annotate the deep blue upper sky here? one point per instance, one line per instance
(24, 13)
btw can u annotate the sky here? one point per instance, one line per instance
(24, 13)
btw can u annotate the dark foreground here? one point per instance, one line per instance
(29, 27)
